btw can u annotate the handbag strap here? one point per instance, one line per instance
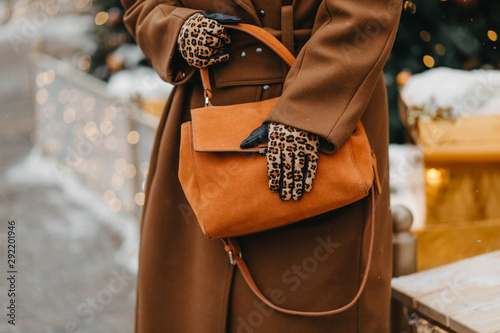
(260, 34)
(231, 244)
(233, 249)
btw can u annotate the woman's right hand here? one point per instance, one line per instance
(202, 38)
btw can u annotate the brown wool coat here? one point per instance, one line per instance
(186, 283)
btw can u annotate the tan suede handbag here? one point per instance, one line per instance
(227, 187)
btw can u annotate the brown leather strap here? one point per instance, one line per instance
(232, 247)
(205, 80)
(231, 244)
(265, 37)
(376, 179)
(260, 34)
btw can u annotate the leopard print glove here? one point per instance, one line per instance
(292, 160)
(201, 41)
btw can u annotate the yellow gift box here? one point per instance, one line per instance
(462, 184)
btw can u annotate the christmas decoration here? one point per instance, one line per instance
(459, 34)
(453, 116)
(88, 130)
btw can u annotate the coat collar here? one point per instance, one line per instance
(248, 6)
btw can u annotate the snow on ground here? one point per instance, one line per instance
(75, 259)
(37, 170)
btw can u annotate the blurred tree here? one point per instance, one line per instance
(453, 33)
(110, 34)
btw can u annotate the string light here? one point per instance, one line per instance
(117, 181)
(130, 171)
(84, 63)
(425, 36)
(440, 49)
(39, 80)
(115, 205)
(433, 176)
(82, 5)
(410, 7)
(492, 35)
(90, 128)
(106, 127)
(69, 115)
(49, 77)
(139, 198)
(101, 18)
(45, 78)
(108, 195)
(133, 137)
(85, 133)
(429, 61)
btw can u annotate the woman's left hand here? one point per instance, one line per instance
(292, 158)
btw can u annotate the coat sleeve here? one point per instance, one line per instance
(331, 82)
(155, 25)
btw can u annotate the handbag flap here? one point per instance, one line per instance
(223, 128)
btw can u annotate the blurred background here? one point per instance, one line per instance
(79, 106)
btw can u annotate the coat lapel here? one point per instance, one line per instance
(248, 6)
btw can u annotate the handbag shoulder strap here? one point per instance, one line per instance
(232, 247)
(260, 34)
(265, 37)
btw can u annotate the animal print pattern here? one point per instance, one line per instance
(201, 41)
(292, 161)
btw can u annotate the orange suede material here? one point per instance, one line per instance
(227, 186)
(216, 130)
